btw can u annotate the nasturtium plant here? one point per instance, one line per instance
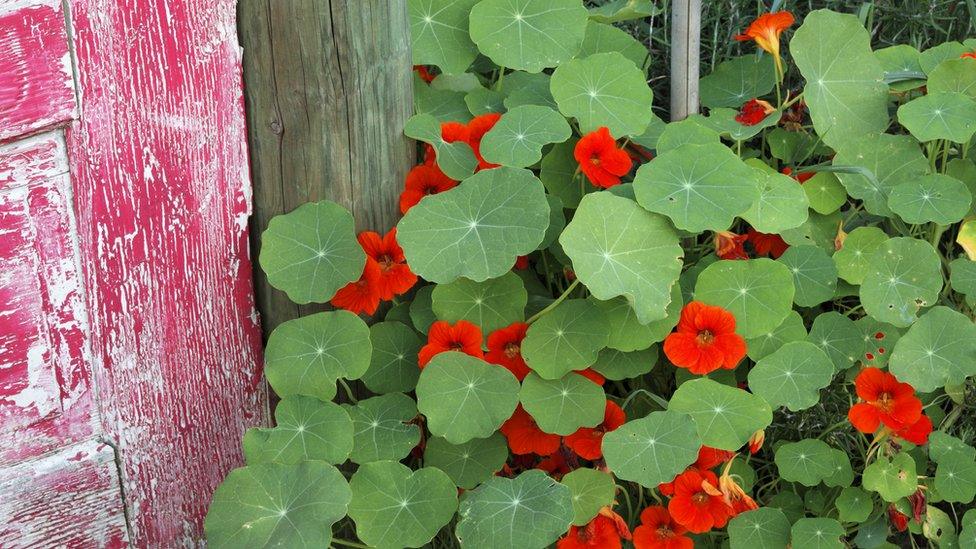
(596, 322)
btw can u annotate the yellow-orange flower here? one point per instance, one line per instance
(765, 32)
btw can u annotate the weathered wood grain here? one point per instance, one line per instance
(159, 165)
(68, 499)
(46, 399)
(328, 90)
(685, 57)
(36, 83)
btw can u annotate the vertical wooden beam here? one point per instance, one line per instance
(328, 88)
(685, 52)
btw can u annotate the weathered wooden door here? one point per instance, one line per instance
(129, 346)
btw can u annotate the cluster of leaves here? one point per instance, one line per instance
(803, 258)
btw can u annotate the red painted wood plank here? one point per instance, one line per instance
(68, 499)
(36, 82)
(45, 373)
(159, 164)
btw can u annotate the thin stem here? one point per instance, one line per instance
(501, 78)
(348, 390)
(792, 101)
(555, 303)
(348, 543)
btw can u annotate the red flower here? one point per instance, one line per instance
(362, 296)
(697, 503)
(395, 276)
(424, 73)
(505, 349)
(430, 155)
(705, 340)
(968, 55)
(753, 112)
(765, 30)
(592, 375)
(709, 458)
(756, 441)
(918, 432)
(728, 245)
(422, 181)
(521, 263)
(898, 520)
(659, 531)
(587, 442)
(525, 437)
(555, 465)
(463, 336)
(600, 159)
(800, 177)
(477, 128)
(886, 400)
(603, 532)
(767, 244)
(452, 132)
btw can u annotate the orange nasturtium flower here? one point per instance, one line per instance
(525, 437)
(705, 340)
(968, 55)
(697, 504)
(603, 532)
(659, 531)
(423, 180)
(729, 245)
(587, 442)
(886, 401)
(505, 349)
(395, 276)
(765, 31)
(362, 296)
(462, 336)
(600, 160)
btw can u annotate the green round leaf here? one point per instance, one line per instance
(875, 351)
(932, 198)
(725, 416)
(817, 533)
(814, 274)
(380, 427)
(782, 203)
(825, 193)
(485, 101)
(791, 329)
(274, 504)
(893, 479)
(843, 472)
(393, 364)
(464, 397)
(938, 350)
(884, 161)
(934, 56)
(852, 259)
(690, 131)
(439, 34)
(724, 122)
(854, 504)
(305, 429)
(421, 310)
(312, 252)
(955, 477)
(528, 89)
(477, 229)
(617, 365)
(953, 75)
(906, 275)
(963, 277)
(518, 137)
(902, 58)
(568, 338)
(764, 528)
(528, 35)
(605, 89)
(470, 463)
(603, 38)
(456, 160)
(592, 490)
(738, 80)
(759, 292)
(943, 115)
(807, 462)
(492, 304)
(942, 444)
(700, 187)
(561, 406)
(306, 356)
(396, 507)
(792, 376)
(845, 89)
(838, 337)
(653, 449)
(558, 174)
(620, 249)
(529, 511)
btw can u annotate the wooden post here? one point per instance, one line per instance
(685, 41)
(328, 88)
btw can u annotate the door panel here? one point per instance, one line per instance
(68, 499)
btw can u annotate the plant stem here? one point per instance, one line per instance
(501, 78)
(348, 390)
(553, 305)
(348, 543)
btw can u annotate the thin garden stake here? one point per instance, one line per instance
(685, 43)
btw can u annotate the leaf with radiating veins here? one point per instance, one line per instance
(528, 35)
(653, 449)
